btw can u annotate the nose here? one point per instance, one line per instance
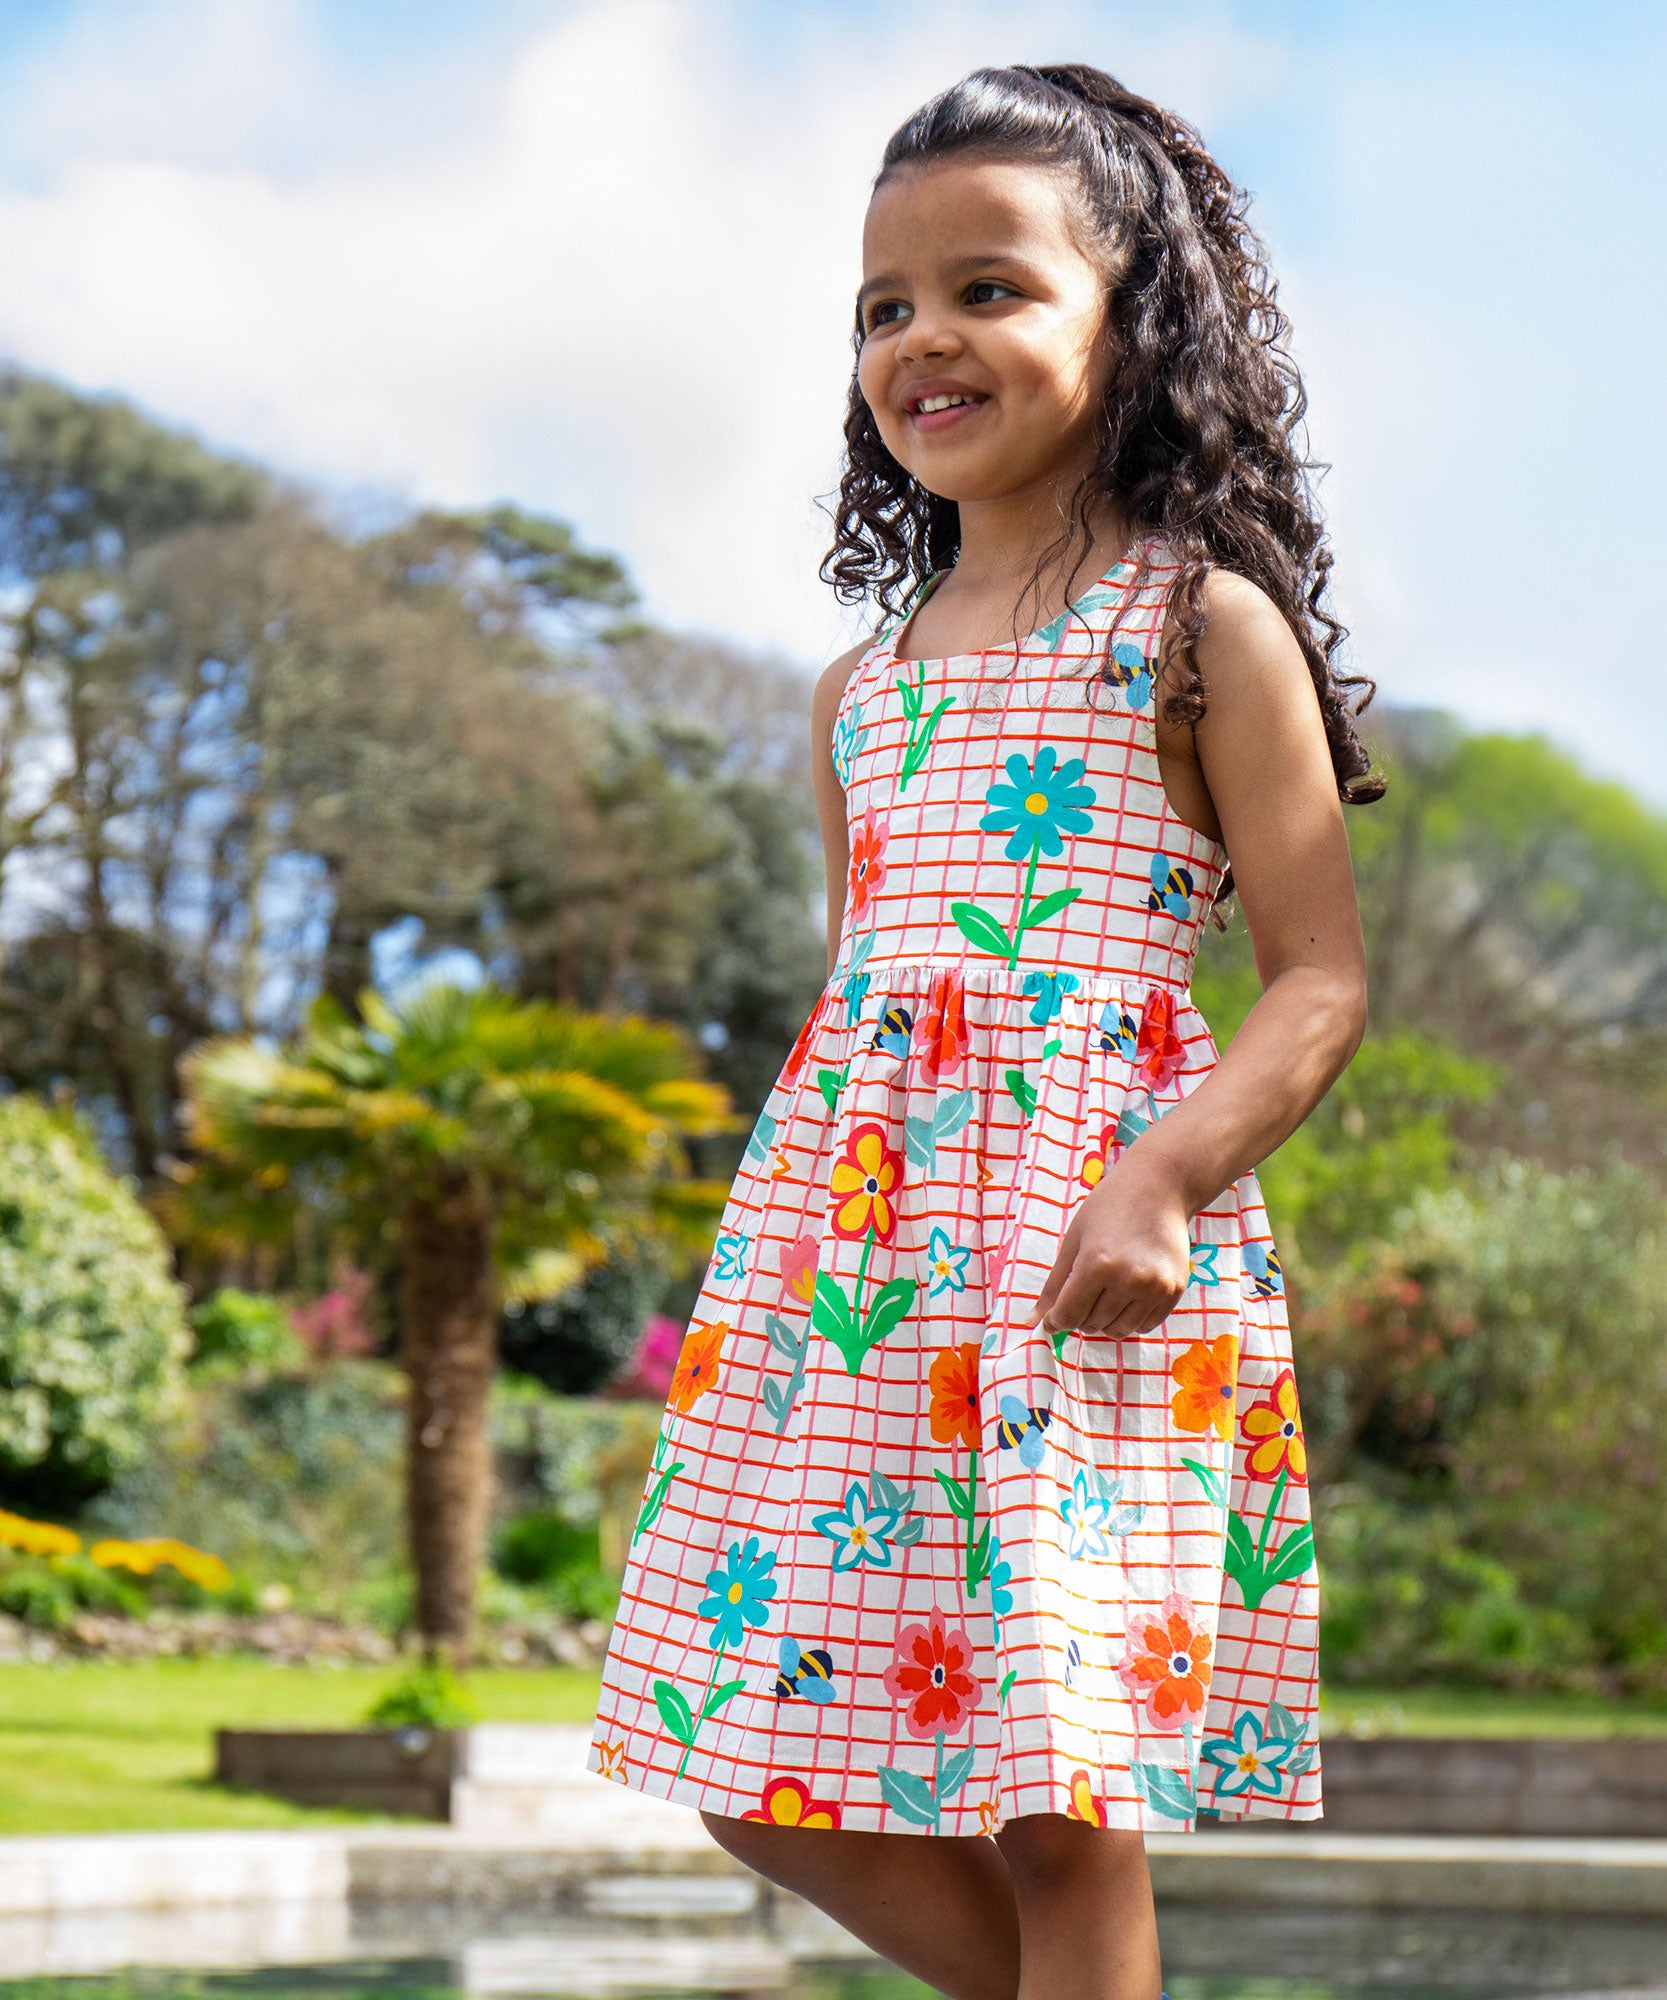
(929, 333)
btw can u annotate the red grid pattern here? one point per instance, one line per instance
(996, 1144)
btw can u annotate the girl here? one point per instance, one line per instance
(979, 1504)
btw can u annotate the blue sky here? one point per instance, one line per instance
(599, 258)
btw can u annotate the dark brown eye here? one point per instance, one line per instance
(986, 285)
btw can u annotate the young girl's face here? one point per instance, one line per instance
(976, 289)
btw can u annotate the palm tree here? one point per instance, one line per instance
(495, 1145)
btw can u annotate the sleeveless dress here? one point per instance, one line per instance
(903, 1563)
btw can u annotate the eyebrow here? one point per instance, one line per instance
(889, 280)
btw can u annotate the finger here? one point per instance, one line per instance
(1101, 1313)
(1050, 1289)
(1078, 1297)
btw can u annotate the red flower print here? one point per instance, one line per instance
(868, 865)
(697, 1365)
(932, 1677)
(801, 1048)
(1208, 1374)
(786, 1803)
(953, 1380)
(1159, 1051)
(1086, 1803)
(798, 1270)
(1276, 1428)
(941, 1033)
(1165, 1668)
(1099, 1158)
(863, 1182)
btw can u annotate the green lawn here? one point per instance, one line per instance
(1475, 1712)
(94, 1746)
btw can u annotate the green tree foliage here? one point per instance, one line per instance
(93, 1334)
(485, 1141)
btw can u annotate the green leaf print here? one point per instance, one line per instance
(716, 1699)
(979, 927)
(908, 1795)
(675, 1712)
(835, 1317)
(955, 1772)
(831, 1082)
(780, 1397)
(1050, 906)
(1252, 1565)
(1165, 1790)
(660, 1478)
(919, 745)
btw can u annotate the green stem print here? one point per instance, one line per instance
(660, 1478)
(963, 1504)
(1024, 1091)
(738, 1595)
(862, 1187)
(794, 1342)
(1253, 1566)
(1169, 1791)
(921, 1800)
(920, 732)
(1036, 807)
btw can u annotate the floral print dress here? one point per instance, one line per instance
(902, 1562)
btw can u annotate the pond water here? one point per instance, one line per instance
(1230, 1952)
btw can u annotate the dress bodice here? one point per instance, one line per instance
(1002, 820)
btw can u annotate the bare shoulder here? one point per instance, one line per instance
(1247, 644)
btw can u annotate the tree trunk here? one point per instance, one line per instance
(449, 1350)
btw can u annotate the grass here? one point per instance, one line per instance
(1445, 1711)
(95, 1746)
(91, 1746)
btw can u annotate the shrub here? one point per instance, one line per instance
(237, 1331)
(93, 1333)
(290, 1478)
(427, 1696)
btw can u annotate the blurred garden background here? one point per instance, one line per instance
(404, 914)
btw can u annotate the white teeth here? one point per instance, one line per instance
(939, 403)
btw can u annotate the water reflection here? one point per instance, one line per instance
(791, 1952)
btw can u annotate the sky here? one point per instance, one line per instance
(599, 259)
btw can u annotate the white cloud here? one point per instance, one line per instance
(606, 267)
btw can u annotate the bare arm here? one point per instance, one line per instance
(830, 793)
(1261, 748)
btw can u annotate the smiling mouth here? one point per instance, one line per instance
(934, 413)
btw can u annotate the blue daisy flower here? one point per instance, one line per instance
(1040, 803)
(738, 1592)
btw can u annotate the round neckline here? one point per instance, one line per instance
(1114, 574)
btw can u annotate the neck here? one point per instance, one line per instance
(1008, 542)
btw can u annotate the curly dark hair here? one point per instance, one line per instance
(1200, 438)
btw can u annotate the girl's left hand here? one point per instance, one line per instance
(1124, 1259)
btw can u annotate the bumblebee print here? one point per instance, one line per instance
(804, 1671)
(1022, 1429)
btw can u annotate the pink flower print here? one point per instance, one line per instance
(798, 1270)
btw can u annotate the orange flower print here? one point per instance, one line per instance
(953, 1380)
(1208, 1373)
(611, 1761)
(697, 1365)
(941, 1033)
(801, 1046)
(868, 866)
(863, 1183)
(786, 1802)
(1099, 1158)
(989, 1817)
(1276, 1425)
(932, 1677)
(1086, 1803)
(1166, 1666)
(1159, 1051)
(798, 1270)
